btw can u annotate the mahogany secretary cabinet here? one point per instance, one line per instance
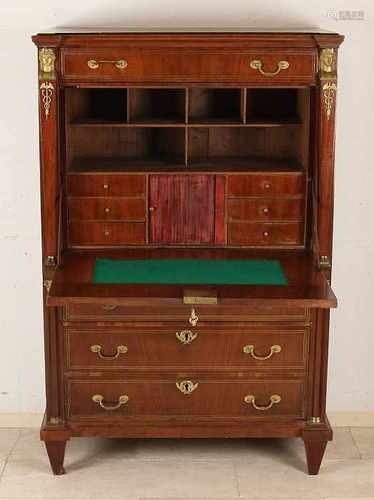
(208, 145)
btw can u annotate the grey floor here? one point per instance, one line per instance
(180, 469)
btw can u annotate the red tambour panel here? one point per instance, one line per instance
(220, 226)
(182, 209)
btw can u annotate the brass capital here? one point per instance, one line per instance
(47, 58)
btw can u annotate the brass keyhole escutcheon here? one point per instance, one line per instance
(186, 336)
(187, 386)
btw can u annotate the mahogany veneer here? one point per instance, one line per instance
(187, 145)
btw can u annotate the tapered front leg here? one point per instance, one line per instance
(314, 454)
(56, 454)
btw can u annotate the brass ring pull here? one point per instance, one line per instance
(186, 336)
(97, 349)
(120, 64)
(251, 400)
(186, 386)
(99, 399)
(250, 349)
(194, 318)
(109, 307)
(257, 64)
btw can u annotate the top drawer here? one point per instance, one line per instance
(188, 65)
(186, 314)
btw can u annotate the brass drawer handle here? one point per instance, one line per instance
(109, 307)
(194, 318)
(250, 349)
(94, 64)
(186, 336)
(99, 399)
(251, 400)
(186, 386)
(257, 64)
(97, 349)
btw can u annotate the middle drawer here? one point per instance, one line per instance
(178, 346)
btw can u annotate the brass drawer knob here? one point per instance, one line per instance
(151, 209)
(105, 186)
(265, 210)
(97, 349)
(266, 234)
(94, 64)
(267, 185)
(258, 64)
(250, 349)
(106, 233)
(186, 386)
(194, 318)
(186, 336)
(99, 399)
(106, 210)
(251, 400)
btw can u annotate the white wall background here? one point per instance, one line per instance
(351, 384)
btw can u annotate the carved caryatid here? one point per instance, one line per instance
(327, 67)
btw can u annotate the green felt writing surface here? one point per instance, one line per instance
(189, 272)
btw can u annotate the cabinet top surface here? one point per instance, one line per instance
(183, 30)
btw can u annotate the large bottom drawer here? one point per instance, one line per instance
(190, 396)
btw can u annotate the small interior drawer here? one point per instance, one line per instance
(265, 209)
(265, 233)
(284, 184)
(84, 233)
(111, 399)
(106, 208)
(106, 185)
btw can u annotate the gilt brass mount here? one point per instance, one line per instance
(250, 349)
(97, 349)
(251, 399)
(99, 399)
(47, 58)
(196, 297)
(187, 386)
(186, 336)
(47, 93)
(94, 64)
(257, 64)
(194, 318)
(327, 64)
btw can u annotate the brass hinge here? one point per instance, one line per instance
(55, 421)
(51, 261)
(47, 285)
(314, 420)
(324, 262)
